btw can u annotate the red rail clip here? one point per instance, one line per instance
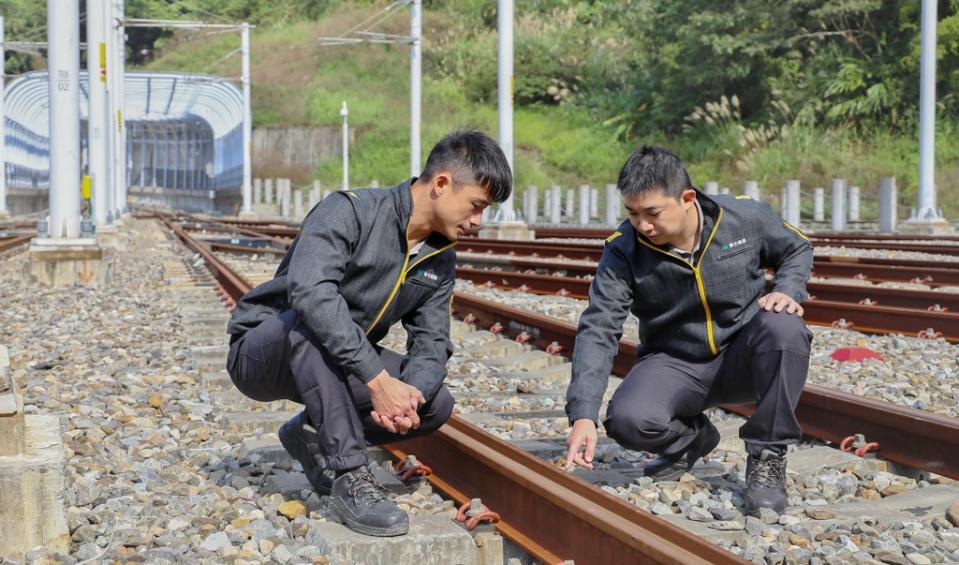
(474, 512)
(524, 338)
(554, 348)
(859, 444)
(869, 302)
(841, 324)
(410, 467)
(469, 318)
(562, 292)
(929, 333)
(496, 328)
(938, 308)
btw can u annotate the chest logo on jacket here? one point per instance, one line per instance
(730, 246)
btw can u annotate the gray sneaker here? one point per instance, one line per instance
(361, 503)
(299, 439)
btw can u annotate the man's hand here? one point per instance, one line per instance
(394, 403)
(581, 444)
(777, 301)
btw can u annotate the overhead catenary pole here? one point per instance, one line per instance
(98, 122)
(247, 122)
(505, 90)
(344, 111)
(3, 132)
(927, 209)
(119, 128)
(416, 83)
(63, 60)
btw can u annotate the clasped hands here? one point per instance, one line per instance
(395, 403)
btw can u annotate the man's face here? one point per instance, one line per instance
(458, 208)
(660, 218)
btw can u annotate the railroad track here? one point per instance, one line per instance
(868, 309)
(550, 514)
(910, 437)
(13, 241)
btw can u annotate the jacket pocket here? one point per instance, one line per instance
(738, 251)
(424, 282)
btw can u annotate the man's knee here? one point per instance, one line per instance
(781, 330)
(438, 410)
(637, 428)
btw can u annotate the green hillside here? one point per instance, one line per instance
(748, 89)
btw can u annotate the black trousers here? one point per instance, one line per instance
(280, 359)
(659, 405)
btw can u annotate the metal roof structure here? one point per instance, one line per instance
(184, 130)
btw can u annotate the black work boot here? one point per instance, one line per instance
(671, 467)
(299, 439)
(766, 481)
(361, 503)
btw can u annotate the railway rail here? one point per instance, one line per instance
(550, 514)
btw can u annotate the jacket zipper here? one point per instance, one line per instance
(697, 274)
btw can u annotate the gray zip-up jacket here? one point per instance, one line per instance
(691, 310)
(349, 277)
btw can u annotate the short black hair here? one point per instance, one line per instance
(472, 157)
(654, 168)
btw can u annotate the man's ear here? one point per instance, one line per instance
(442, 182)
(688, 196)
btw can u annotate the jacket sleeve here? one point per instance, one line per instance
(317, 266)
(428, 344)
(597, 338)
(789, 252)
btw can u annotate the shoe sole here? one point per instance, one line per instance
(343, 514)
(672, 476)
(291, 443)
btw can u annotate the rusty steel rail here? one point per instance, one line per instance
(884, 270)
(211, 226)
(867, 309)
(562, 516)
(835, 305)
(907, 436)
(553, 516)
(12, 242)
(235, 285)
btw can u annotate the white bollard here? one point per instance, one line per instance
(532, 197)
(555, 205)
(285, 198)
(724, 190)
(888, 204)
(258, 191)
(570, 205)
(583, 204)
(612, 205)
(593, 202)
(838, 205)
(819, 204)
(853, 203)
(751, 189)
(268, 191)
(374, 183)
(547, 203)
(313, 199)
(298, 204)
(792, 202)
(783, 202)
(711, 187)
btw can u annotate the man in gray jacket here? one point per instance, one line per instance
(691, 268)
(364, 260)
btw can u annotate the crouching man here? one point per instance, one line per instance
(364, 260)
(691, 268)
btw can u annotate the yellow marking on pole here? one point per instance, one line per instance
(86, 187)
(103, 62)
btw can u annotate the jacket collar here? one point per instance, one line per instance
(403, 204)
(710, 209)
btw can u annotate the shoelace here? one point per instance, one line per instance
(767, 473)
(364, 488)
